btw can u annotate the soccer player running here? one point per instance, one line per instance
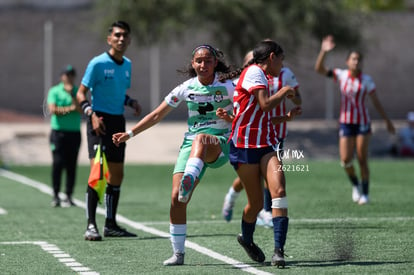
(253, 148)
(107, 78)
(280, 116)
(355, 123)
(205, 142)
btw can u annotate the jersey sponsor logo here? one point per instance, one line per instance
(204, 124)
(199, 98)
(203, 108)
(109, 73)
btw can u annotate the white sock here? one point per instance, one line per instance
(232, 195)
(178, 233)
(194, 167)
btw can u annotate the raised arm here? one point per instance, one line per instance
(327, 45)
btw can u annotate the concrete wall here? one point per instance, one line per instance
(389, 59)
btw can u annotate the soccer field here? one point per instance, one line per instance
(328, 233)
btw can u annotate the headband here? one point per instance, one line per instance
(205, 46)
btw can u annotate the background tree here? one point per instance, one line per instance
(238, 25)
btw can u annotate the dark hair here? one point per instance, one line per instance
(120, 24)
(221, 67)
(261, 52)
(354, 51)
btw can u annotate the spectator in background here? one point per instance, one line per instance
(65, 137)
(405, 145)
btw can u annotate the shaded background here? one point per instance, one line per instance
(386, 38)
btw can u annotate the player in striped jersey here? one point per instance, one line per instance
(355, 123)
(205, 142)
(280, 115)
(253, 147)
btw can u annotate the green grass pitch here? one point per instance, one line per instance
(328, 233)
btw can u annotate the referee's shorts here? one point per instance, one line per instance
(113, 124)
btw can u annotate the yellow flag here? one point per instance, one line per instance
(99, 173)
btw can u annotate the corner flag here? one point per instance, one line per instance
(99, 173)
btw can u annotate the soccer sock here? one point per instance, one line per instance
(365, 187)
(280, 228)
(91, 204)
(193, 167)
(267, 203)
(232, 195)
(247, 231)
(178, 233)
(111, 203)
(354, 180)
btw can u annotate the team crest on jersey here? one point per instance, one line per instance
(174, 99)
(127, 74)
(218, 97)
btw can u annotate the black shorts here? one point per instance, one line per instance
(113, 124)
(239, 156)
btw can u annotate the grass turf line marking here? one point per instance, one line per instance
(208, 252)
(3, 211)
(59, 254)
(300, 221)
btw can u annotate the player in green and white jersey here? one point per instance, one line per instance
(205, 142)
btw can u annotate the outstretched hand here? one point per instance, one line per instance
(118, 138)
(328, 43)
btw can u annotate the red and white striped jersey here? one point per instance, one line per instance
(286, 77)
(251, 126)
(353, 93)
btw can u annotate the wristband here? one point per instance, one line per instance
(130, 133)
(86, 107)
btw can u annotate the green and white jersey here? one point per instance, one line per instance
(202, 103)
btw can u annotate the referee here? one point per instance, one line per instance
(107, 78)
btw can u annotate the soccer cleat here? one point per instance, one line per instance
(264, 218)
(254, 252)
(227, 210)
(278, 258)
(363, 200)
(116, 231)
(92, 233)
(176, 259)
(186, 187)
(67, 202)
(55, 202)
(355, 194)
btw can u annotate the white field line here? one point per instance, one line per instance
(301, 221)
(143, 225)
(60, 255)
(208, 252)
